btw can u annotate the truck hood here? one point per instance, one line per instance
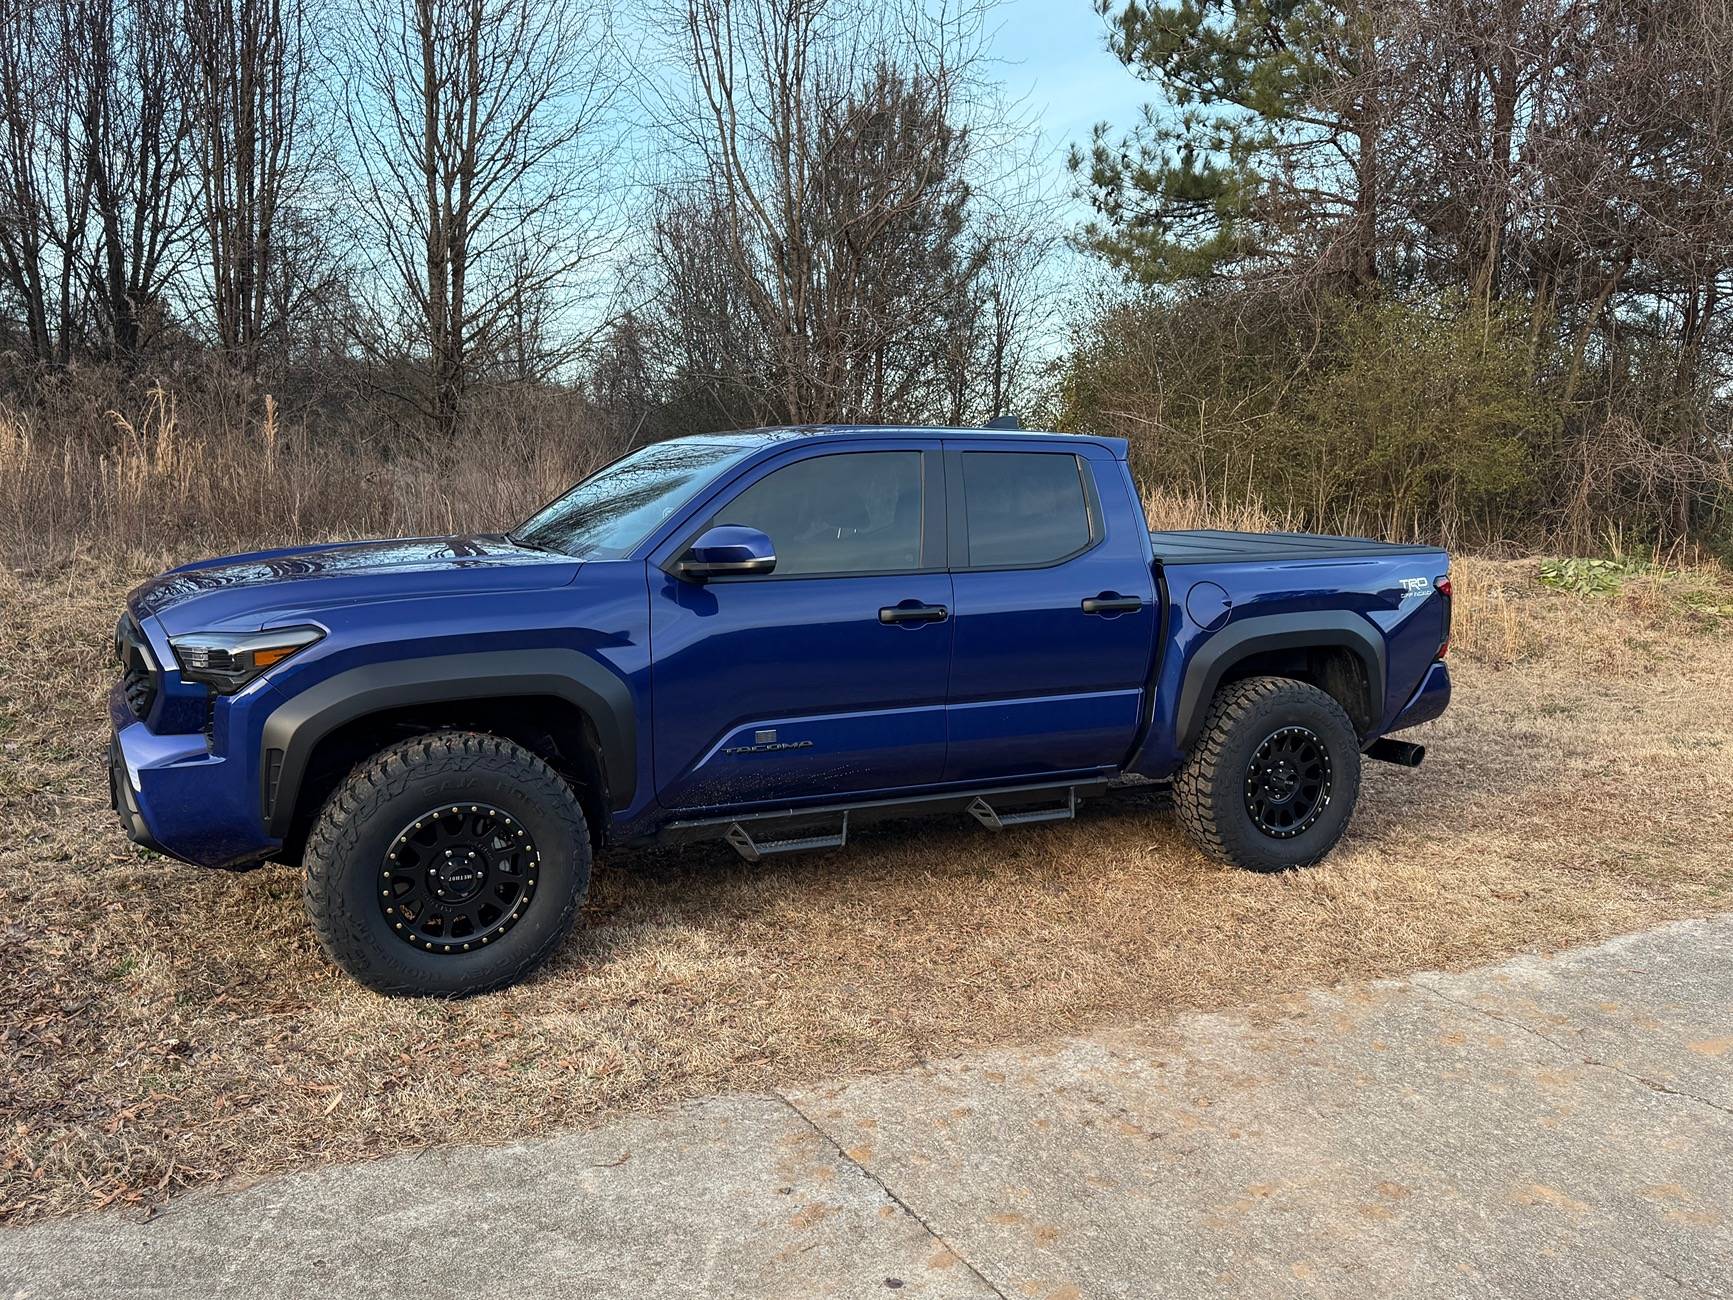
(269, 588)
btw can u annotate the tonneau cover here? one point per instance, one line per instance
(1218, 546)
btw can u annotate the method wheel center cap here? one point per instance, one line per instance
(458, 877)
(1281, 781)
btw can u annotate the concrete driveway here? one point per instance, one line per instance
(1548, 1126)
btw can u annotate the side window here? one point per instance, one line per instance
(854, 512)
(1024, 508)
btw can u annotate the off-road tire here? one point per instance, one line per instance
(1209, 792)
(354, 831)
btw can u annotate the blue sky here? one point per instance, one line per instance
(1054, 57)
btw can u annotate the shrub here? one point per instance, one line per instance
(1438, 417)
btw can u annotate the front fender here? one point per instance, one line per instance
(294, 730)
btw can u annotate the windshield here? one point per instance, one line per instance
(620, 505)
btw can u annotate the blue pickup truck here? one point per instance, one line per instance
(766, 638)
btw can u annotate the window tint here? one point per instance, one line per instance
(857, 512)
(1024, 508)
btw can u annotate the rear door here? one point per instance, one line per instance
(1055, 610)
(825, 679)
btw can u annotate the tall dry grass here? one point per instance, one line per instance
(1172, 509)
(145, 486)
(138, 489)
(150, 483)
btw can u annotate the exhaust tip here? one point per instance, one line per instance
(1399, 752)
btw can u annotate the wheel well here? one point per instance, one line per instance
(553, 729)
(1335, 670)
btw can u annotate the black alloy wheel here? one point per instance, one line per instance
(1288, 782)
(458, 877)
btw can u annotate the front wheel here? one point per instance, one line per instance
(1272, 780)
(449, 864)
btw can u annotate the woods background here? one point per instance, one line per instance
(282, 269)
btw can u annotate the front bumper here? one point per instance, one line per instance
(174, 796)
(124, 800)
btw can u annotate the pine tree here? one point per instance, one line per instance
(1264, 152)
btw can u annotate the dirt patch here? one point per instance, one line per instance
(164, 1027)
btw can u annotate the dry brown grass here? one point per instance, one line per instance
(165, 1027)
(1171, 508)
(145, 480)
(1197, 506)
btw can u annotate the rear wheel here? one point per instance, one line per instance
(451, 863)
(1273, 778)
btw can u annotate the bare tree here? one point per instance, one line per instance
(828, 142)
(126, 63)
(475, 127)
(621, 382)
(706, 333)
(35, 170)
(249, 69)
(92, 131)
(1014, 291)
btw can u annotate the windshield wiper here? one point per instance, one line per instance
(515, 540)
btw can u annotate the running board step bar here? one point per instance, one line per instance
(740, 840)
(754, 835)
(993, 820)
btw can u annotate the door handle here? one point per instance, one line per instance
(1110, 603)
(913, 612)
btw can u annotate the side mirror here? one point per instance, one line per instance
(726, 551)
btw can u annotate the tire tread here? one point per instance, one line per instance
(334, 841)
(1199, 779)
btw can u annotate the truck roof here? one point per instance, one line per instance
(793, 432)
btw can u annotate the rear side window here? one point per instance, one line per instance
(1024, 508)
(854, 512)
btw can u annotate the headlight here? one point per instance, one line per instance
(228, 661)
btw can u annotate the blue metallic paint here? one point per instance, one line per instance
(725, 547)
(1018, 682)
(1428, 701)
(808, 658)
(1023, 628)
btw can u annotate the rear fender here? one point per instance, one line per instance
(1240, 640)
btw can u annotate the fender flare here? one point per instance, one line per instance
(294, 730)
(1243, 638)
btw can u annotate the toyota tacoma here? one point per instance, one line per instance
(766, 638)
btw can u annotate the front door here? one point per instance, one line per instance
(825, 679)
(1055, 613)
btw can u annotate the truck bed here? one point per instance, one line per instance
(1218, 546)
